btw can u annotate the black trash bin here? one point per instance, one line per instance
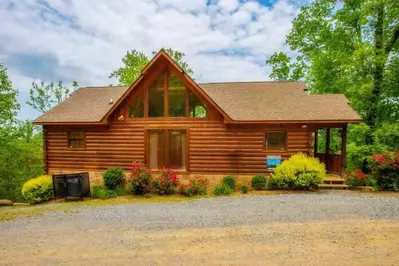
(71, 185)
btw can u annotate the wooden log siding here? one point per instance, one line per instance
(213, 146)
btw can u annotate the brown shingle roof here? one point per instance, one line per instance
(278, 101)
(85, 105)
(241, 101)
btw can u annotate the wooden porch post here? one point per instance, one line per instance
(326, 156)
(316, 140)
(328, 134)
(343, 149)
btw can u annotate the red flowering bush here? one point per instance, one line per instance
(385, 169)
(140, 179)
(195, 187)
(166, 182)
(356, 178)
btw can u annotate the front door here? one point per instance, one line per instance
(166, 148)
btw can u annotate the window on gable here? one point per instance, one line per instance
(196, 107)
(176, 96)
(156, 94)
(76, 139)
(136, 108)
(276, 140)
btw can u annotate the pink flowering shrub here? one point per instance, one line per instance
(356, 178)
(165, 182)
(385, 169)
(140, 179)
(143, 181)
(195, 187)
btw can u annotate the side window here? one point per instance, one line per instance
(136, 109)
(197, 108)
(275, 140)
(76, 139)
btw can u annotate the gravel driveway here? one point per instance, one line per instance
(326, 228)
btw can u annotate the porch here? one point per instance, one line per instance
(335, 162)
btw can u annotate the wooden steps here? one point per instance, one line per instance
(333, 182)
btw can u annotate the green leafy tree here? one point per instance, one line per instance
(9, 106)
(43, 97)
(348, 47)
(134, 61)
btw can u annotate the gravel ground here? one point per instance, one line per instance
(289, 228)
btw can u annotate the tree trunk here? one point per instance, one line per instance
(380, 59)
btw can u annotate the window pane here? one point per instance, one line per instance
(76, 139)
(176, 96)
(156, 149)
(177, 149)
(136, 109)
(275, 140)
(197, 108)
(156, 97)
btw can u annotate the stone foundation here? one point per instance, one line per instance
(96, 178)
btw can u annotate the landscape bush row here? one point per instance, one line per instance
(297, 172)
(382, 172)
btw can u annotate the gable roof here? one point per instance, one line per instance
(85, 105)
(238, 102)
(278, 101)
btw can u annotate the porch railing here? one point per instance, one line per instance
(333, 162)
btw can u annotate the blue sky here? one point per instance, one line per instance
(84, 40)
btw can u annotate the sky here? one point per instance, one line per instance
(85, 40)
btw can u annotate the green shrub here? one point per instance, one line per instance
(298, 172)
(229, 181)
(100, 192)
(195, 187)
(258, 182)
(113, 177)
(38, 189)
(223, 189)
(120, 191)
(276, 183)
(244, 189)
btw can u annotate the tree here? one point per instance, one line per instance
(283, 69)
(43, 96)
(348, 47)
(134, 61)
(9, 106)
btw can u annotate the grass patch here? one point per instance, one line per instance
(11, 213)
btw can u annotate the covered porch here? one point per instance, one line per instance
(335, 161)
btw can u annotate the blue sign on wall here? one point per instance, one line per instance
(272, 162)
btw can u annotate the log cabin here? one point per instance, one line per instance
(165, 118)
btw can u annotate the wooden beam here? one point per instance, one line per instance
(45, 154)
(328, 138)
(327, 152)
(316, 140)
(344, 134)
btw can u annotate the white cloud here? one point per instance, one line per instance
(87, 39)
(228, 5)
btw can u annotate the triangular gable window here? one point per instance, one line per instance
(168, 89)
